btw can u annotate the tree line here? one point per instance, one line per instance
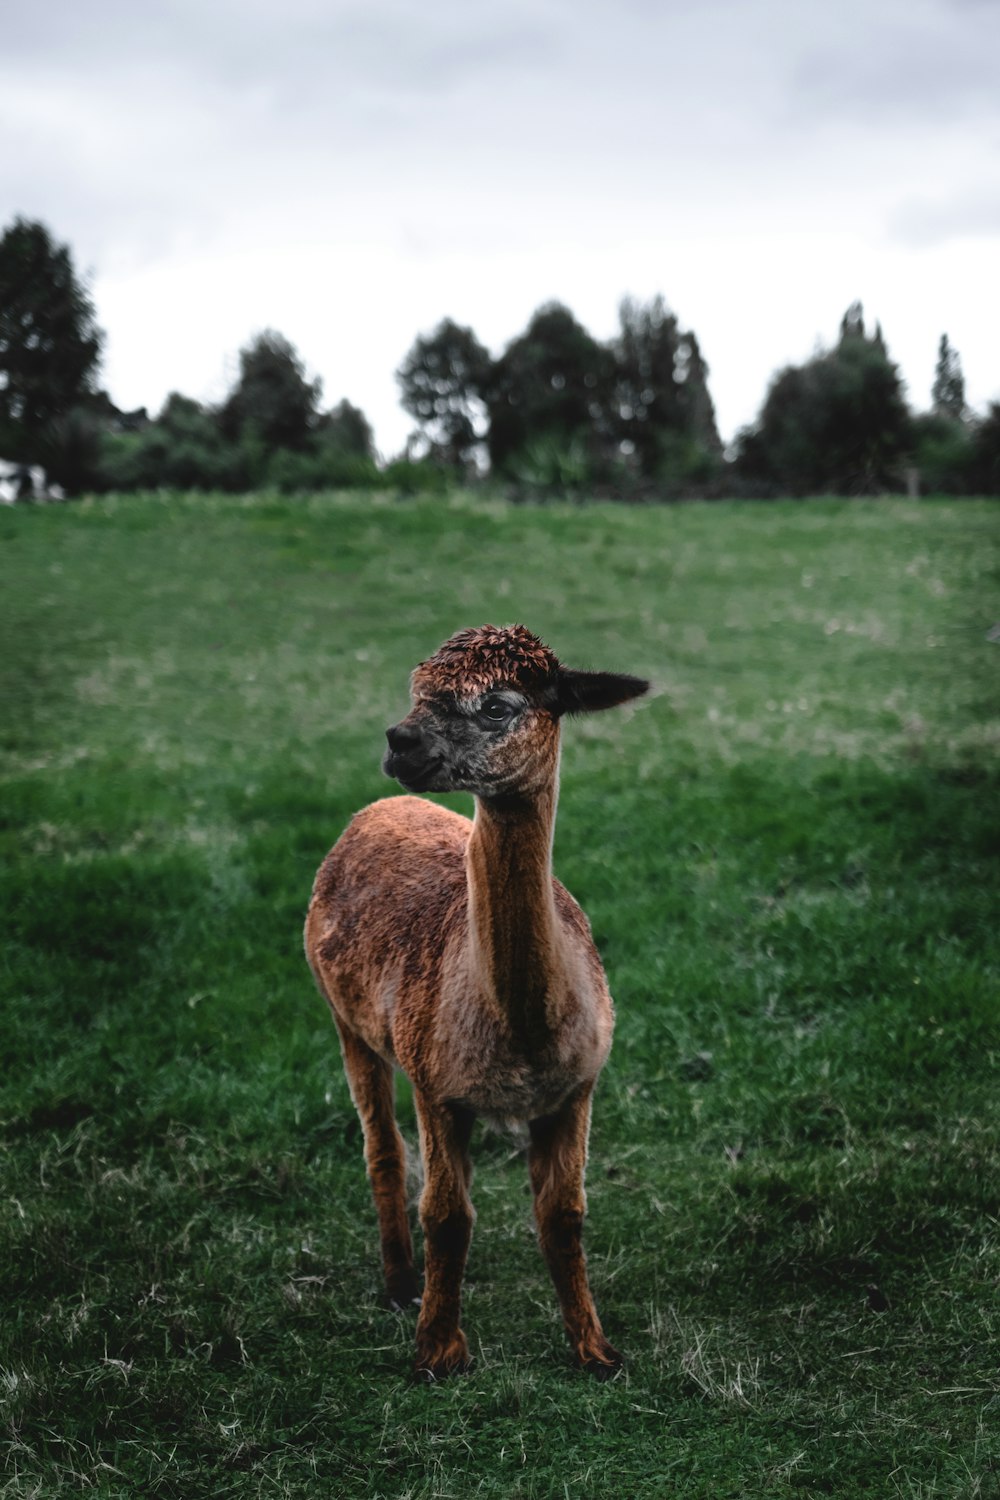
(557, 410)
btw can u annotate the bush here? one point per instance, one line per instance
(942, 454)
(416, 476)
(684, 463)
(154, 458)
(74, 450)
(984, 469)
(320, 468)
(551, 464)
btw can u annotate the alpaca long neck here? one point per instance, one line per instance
(514, 931)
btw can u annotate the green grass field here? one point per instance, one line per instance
(789, 854)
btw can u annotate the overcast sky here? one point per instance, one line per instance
(351, 173)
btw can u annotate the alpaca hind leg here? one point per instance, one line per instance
(447, 1216)
(371, 1082)
(557, 1160)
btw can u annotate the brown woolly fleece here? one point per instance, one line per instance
(474, 661)
(445, 947)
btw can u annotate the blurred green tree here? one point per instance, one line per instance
(345, 429)
(837, 423)
(948, 390)
(182, 448)
(852, 324)
(553, 385)
(942, 453)
(662, 403)
(984, 465)
(443, 380)
(272, 401)
(186, 448)
(50, 348)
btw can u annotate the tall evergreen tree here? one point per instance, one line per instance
(948, 390)
(852, 324)
(50, 345)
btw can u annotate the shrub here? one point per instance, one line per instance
(942, 453)
(551, 464)
(416, 476)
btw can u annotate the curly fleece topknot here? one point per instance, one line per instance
(485, 658)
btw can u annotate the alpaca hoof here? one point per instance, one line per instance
(437, 1364)
(403, 1291)
(601, 1360)
(407, 1304)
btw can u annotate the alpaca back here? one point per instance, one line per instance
(387, 903)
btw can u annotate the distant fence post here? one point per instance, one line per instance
(912, 477)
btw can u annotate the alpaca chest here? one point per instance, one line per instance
(501, 1077)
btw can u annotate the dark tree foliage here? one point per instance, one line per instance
(984, 460)
(345, 429)
(182, 448)
(272, 400)
(552, 385)
(113, 419)
(185, 448)
(661, 400)
(443, 380)
(948, 390)
(838, 423)
(852, 324)
(50, 346)
(942, 454)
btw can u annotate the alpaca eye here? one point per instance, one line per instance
(496, 710)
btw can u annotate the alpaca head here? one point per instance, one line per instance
(486, 711)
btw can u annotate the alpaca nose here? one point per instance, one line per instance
(402, 738)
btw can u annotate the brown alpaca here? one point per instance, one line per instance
(446, 948)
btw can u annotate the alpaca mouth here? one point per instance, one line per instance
(415, 777)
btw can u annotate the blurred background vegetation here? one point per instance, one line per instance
(557, 412)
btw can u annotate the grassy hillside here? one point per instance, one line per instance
(789, 855)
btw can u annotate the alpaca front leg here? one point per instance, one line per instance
(371, 1083)
(557, 1161)
(447, 1216)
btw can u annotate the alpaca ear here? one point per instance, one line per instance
(586, 692)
